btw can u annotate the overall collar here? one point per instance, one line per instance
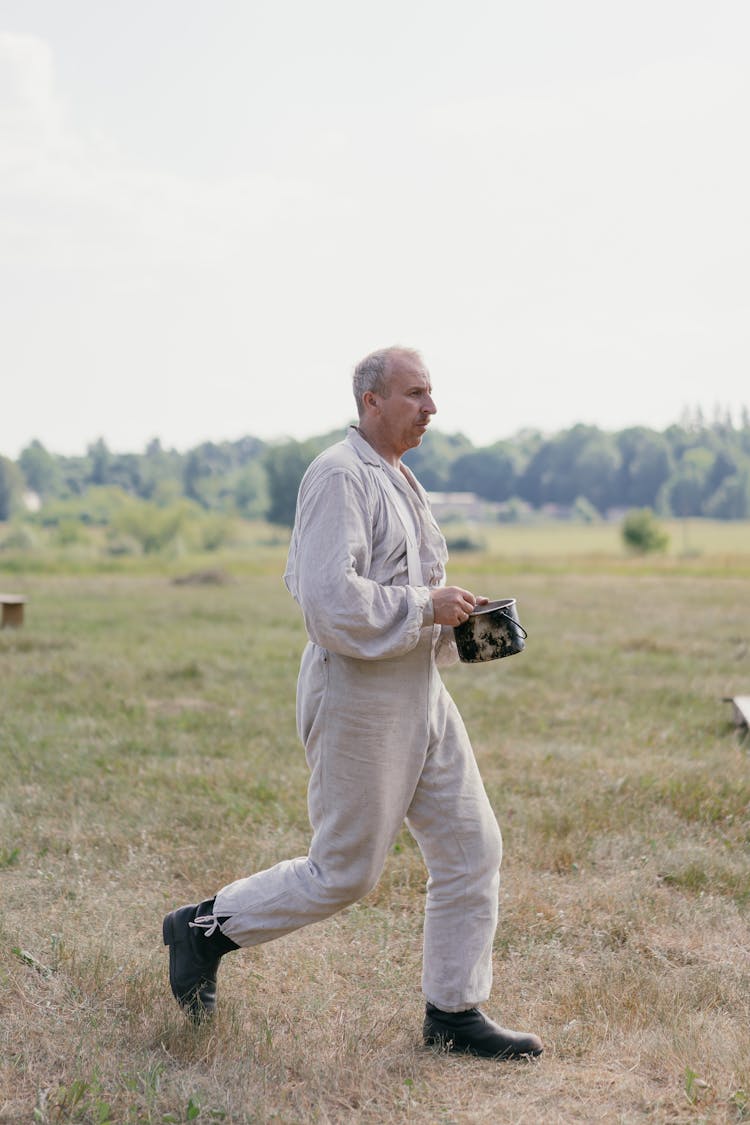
(402, 476)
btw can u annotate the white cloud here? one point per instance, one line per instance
(73, 201)
(28, 104)
(569, 245)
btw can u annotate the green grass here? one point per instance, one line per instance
(148, 754)
(696, 546)
(687, 538)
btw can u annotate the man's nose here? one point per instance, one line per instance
(430, 407)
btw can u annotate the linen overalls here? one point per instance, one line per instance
(383, 738)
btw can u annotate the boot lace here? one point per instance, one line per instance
(209, 923)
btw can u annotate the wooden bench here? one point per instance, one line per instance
(12, 606)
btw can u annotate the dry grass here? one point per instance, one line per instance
(148, 754)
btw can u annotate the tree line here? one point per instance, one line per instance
(697, 467)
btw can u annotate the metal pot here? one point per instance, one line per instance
(491, 631)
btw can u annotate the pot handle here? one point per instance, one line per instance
(516, 623)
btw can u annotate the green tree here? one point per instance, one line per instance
(491, 472)
(210, 469)
(10, 487)
(596, 471)
(285, 466)
(41, 470)
(432, 460)
(581, 461)
(687, 488)
(731, 500)
(76, 474)
(727, 461)
(192, 473)
(158, 469)
(251, 490)
(646, 465)
(99, 459)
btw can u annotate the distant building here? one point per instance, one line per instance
(459, 506)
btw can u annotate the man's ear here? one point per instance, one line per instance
(370, 400)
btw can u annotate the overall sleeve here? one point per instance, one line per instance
(345, 610)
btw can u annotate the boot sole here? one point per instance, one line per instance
(449, 1046)
(473, 1052)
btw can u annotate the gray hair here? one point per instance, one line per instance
(372, 373)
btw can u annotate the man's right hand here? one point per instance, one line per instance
(452, 605)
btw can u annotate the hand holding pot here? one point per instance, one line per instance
(452, 605)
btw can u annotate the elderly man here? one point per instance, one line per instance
(384, 741)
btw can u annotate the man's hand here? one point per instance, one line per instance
(452, 605)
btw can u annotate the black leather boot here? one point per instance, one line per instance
(473, 1033)
(194, 955)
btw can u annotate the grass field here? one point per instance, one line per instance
(148, 755)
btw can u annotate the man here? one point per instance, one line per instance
(383, 739)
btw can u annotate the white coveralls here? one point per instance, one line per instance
(384, 740)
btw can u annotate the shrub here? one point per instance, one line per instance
(69, 531)
(642, 533)
(97, 507)
(156, 529)
(213, 532)
(119, 544)
(21, 537)
(465, 542)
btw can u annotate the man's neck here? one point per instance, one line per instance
(389, 456)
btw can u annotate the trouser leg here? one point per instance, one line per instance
(451, 818)
(365, 728)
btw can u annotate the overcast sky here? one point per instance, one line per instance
(209, 212)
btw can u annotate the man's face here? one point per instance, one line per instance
(405, 413)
